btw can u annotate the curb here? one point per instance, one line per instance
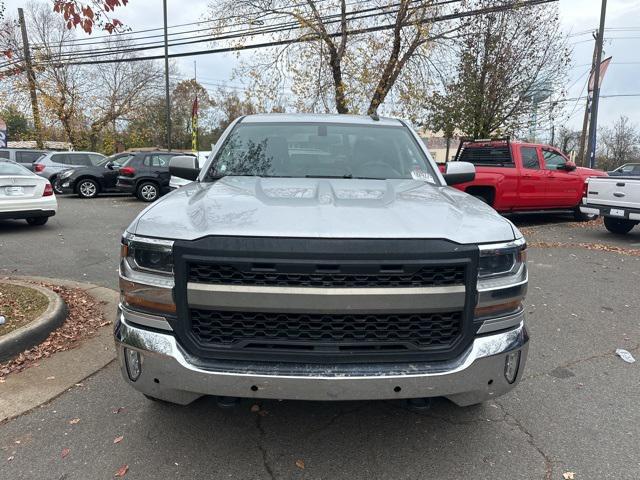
(22, 392)
(36, 331)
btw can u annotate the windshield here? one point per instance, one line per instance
(7, 168)
(321, 150)
(118, 159)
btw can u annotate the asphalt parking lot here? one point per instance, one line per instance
(576, 410)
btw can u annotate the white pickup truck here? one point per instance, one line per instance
(617, 199)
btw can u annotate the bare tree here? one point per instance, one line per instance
(118, 89)
(567, 140)
(506, 61)
(620, 144)
(328, 65)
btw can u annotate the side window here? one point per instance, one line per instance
(636, 170)
(4, 154)
(81, 159)
(95, 159)
(27, 157)
(552, 160)
(530, 158)
(489, 156)
(156, 160)
(60, 158)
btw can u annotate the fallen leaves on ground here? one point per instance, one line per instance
(255, 408)
(84, 319)
(122, 471)
(635, 252)
(118, 439)
(115, 411)
(10, 458)
(19, 305)
(73, 421)
(65, 452)
(569, 475)
(300, 464)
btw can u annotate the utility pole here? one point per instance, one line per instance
(32, 80)
(593, 124)
(166, 76)
(585, 120)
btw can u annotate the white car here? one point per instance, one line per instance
(177, 182)
(25, 195)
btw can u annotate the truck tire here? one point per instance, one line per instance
(619, 226)
(583, 217)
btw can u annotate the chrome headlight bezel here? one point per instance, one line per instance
(501, 259)
(146, 254)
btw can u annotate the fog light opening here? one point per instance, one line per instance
(511, 364)
(133, 364)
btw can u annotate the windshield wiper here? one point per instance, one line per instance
(346, 175)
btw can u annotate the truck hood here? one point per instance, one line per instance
(322, 208)
(591, 172)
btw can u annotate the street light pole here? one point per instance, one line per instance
(166, 76)
(593, 125)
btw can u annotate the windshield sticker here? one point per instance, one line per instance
(422, 175)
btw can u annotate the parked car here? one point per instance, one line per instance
(177, 182)
(24, 195)
(88, 182)
(617, 200)
(146, 175)
(626, 170)
(321, 257)
(23, 156)
(524, 177)
(52, 164)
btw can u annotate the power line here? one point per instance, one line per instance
(441, 18)
(275, 28)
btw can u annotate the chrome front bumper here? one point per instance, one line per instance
(171, 374)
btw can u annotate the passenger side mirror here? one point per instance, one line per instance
(459, 172)
(184, 166)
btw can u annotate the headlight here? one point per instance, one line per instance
(500, 260)
(148, 254)
(146, 280)
(67, 174)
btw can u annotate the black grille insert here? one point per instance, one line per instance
(323, 275)
(328, 333)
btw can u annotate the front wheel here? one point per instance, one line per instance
(148, 192)
(37, 221)
(583, 217)
(619, 226)
(87, 188)
(57, 185)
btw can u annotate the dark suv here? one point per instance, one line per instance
(88, 182)
(146, 175)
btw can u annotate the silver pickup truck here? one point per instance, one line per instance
(321, 257)
(617, 199)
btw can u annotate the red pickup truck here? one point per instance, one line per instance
(519, 177)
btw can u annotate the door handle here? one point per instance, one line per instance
(619, 195)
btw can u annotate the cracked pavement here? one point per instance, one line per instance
(576, 410)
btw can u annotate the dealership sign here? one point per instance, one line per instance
(3, 134)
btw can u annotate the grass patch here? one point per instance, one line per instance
(19, 306)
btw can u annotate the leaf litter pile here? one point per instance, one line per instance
(19, 306)
(83, 321)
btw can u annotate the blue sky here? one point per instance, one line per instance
(577, 16)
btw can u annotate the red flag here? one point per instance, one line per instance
(603, 69)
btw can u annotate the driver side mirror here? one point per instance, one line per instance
(184, 166)
(110, 165)
(459, 172)
(569, 166)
